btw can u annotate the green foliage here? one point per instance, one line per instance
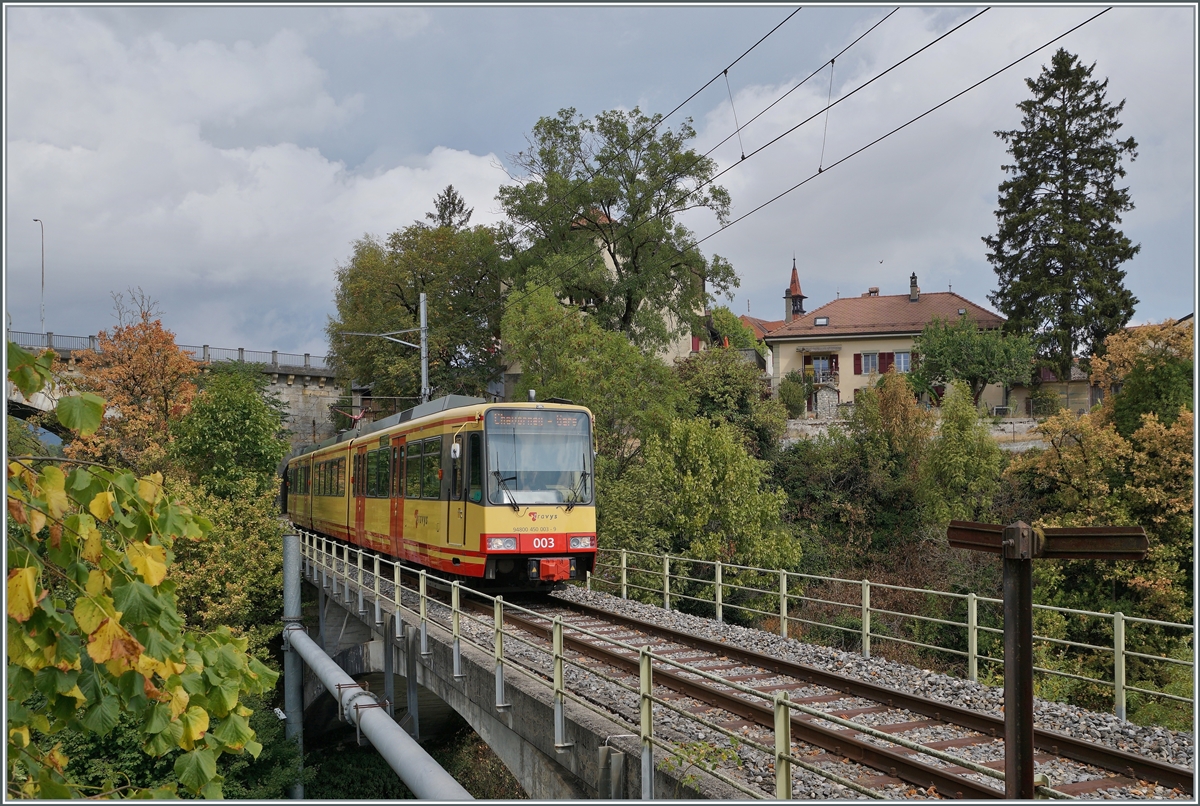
(233, 576)
(961, 351)
(231, 439)
(565, 353)
(700, 755)
(699, 495)
(450, 210)
(350, 773)
(859, 487)
(728, 326)
(378, 292)
(1164, 388)
(794, 391)
(117, 758)
(722, 386)
(1057, 249)
(21, 439)
(603, 196)
(94, 631)
(1045, 402)
(962, 465)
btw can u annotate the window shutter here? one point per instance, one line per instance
(808, 359)
(833, 362)
(858, 363)
(885, 362)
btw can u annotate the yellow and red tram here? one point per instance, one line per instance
(499, 493)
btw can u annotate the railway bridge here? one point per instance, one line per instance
(555, 749)
(304, 382)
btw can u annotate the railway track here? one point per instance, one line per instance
(894, 713)
(864, 732)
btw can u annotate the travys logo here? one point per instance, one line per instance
(418, 520)
(534, 515)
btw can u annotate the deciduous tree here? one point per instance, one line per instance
(231, 440)
(564, 353)
(961, 467)
(148, 383)
(605, 194)
(723, 386)
(962, 351)
(378, 291)
(1057, 250)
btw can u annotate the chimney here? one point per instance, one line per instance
(793, 297)
(914, 293)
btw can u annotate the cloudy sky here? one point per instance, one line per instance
(224, 159)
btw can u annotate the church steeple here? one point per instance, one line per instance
(793, 296)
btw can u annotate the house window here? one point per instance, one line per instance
(903, 362)
(870, 363)
(821, 321)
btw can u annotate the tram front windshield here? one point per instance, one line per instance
(539, 457)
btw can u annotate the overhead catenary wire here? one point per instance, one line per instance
(737, 129)
(825, 134)
(650, 129)
(905, 125)
(528, 289)
(805, 80)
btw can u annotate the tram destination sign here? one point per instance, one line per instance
(538, 420)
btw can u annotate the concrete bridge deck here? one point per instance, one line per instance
(359, 625)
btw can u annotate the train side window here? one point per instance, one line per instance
(431, 477)
(383, 458)
(475, 468)
(412, 471)
(372, 475)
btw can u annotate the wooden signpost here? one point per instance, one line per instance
(1019, 544)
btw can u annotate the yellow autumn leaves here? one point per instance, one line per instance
(24, 592)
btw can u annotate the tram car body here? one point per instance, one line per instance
(498, 495)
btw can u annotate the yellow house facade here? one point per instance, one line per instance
(845, 345)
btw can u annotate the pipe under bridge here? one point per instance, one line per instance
(556, 743)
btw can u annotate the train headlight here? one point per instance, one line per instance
(583, 542)
(502, 544)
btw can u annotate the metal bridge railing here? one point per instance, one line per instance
(343, 570)
(203, 352)
(652, 575)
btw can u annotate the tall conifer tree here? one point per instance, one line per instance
(1057, 251)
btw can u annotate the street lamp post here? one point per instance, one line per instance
(43, 228)
(423, 346)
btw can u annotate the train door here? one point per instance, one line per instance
(456, 522)
(397, 495)
(358, 535)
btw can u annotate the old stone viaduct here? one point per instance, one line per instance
(305, 383)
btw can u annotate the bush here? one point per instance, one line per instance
(794, 390)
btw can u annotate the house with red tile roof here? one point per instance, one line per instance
(846, 344)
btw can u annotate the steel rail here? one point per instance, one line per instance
(1059, 744)
(838, 742)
